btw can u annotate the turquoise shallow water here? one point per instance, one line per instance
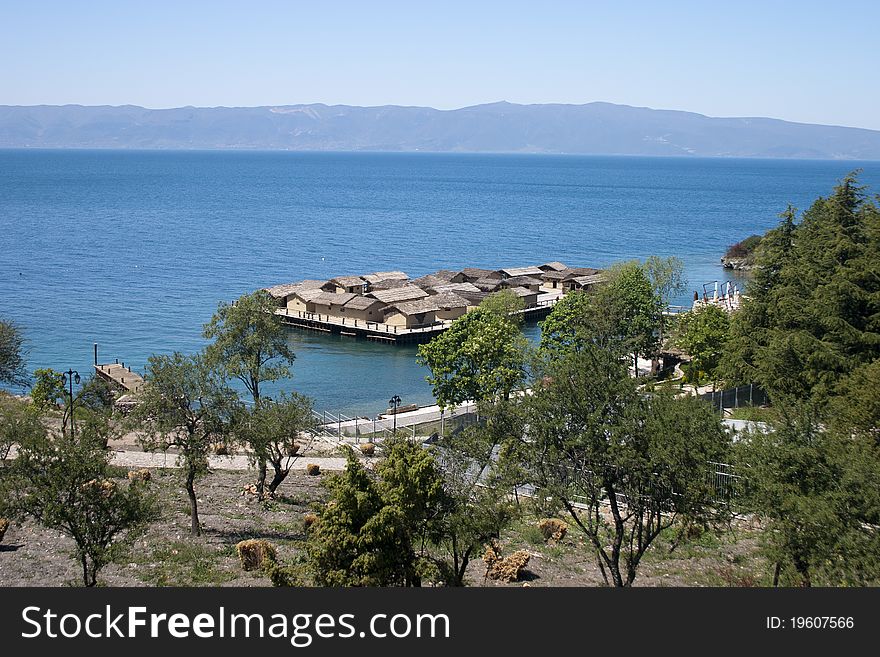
(133, 250)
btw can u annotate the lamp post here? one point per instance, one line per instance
(70, 377)
(395, 404)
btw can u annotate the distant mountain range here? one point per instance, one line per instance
(594, 128)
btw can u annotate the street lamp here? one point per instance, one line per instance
(395, 404)
(70, 377)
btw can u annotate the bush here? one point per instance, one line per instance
(309, 520)
(313, 469)
(368, 449)
(553, 529)
(504, 569)
(744, 248)
(4, 525)
(254, 553)
(293, 450)
(143, 475)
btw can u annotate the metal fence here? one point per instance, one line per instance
(750, 395)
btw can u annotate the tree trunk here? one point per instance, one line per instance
(261, 478)
(280, 475)
(193, 503)
(776, 574)
(87, 581)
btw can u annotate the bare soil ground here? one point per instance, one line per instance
(167, 555)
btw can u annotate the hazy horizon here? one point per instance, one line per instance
(799, 62)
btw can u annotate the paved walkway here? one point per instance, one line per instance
(234, 462)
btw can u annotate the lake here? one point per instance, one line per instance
(133, 249)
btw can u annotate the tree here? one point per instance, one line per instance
(65, 484)
(17, 423)
(667, 279)
(250, 343)
(186, 405)
(622, 315)
(478, 485)
(505, 304)
(818, 494)
(12, 362)
(48, 391)
(701, 333)
(275, 431)
(359, 540)
(480, 356)
(856, 408)
(572, 324)
(810, 318)
(594, 440)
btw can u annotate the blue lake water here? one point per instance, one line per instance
(133, 250)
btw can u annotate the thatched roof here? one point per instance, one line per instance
(553, 266)
(405, 293)
(333, 298)
(522, 271)
(522, 291)
(389, 284)
(449, 300)
(362, 303)
(554, 275)
(445, 274)
(520, 281)
(574, 272)
(286, 289)
(375, 277)
(474, 273)
(309, 294)
(348, 281)
(457, 288)
(590, 280)
(488, 284)
(429, 281)
(417, 307)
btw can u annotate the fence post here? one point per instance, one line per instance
(736, 397)
(751, 385)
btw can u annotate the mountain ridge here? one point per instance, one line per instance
(597, 128)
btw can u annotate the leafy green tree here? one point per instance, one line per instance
(622, 315)
(505, 304)
(250, 343)
(359, 540)
(12, 358)
(572, 324)
(594, 440)
(811, 315)
(275, 431)
(856, 408)
(667, 280)
(818, 495)
(48, 391)
(480, 356)
(17, 423)
(702, 333)
(184, 405)
(65, 484)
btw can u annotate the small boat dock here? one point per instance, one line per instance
(118, 375)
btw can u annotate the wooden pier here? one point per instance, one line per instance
(120, 376)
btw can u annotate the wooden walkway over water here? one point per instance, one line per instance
(387, 333)
(120, 376)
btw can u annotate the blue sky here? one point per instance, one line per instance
(801, 61)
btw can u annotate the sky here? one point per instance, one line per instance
(815, 62)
